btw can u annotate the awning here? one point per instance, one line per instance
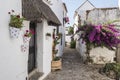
(36, 9)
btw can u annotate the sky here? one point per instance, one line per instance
(72, 5)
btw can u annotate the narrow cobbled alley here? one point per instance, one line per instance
(74, 69)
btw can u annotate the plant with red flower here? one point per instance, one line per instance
(29, 33)
(15, 20)
(66, 19)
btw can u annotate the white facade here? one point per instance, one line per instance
(99, 55)
(13, 61)
(80, 15)
(58, 9)
(45, 57)
(44, 48)
(81, 11)
(67, 37)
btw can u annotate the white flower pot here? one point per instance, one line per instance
(14, 32)
(26, 39)
(24, 48)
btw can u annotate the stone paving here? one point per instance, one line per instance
(74, 69)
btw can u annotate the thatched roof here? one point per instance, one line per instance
(36, 9)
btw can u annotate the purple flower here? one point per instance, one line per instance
(92, 35)
(97, 35)
(98, 28)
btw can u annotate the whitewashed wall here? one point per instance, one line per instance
(47, 48)
(13, 62)
(98, 16)
(68, 39)
(86, 6)
(57, 7)
(102, 55)
(82, 12)
(64, 26)
(44, 48)
(67, 36)
(99, 55)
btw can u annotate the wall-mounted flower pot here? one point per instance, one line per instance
(26, 39)
(48, 34)
(14, 32)
(24, 48)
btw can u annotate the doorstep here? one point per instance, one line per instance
(43, 77)
(35, 75)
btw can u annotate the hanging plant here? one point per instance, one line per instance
(15, 20)
(27, 35)
(16, 23)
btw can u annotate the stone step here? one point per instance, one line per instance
(36, 76)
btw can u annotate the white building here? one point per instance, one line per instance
(80, 15)
(18, 65)
(99, 55)
(80, 12)
(68, 36)
(60, 9)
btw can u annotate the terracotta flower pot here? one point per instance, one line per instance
(14, 32)
(55, 65)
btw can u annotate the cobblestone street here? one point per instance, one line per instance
(73, 69)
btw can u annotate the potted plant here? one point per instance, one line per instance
(104, 35)
(27, 35)
(48, 34)
(56, 61)
(16, 23)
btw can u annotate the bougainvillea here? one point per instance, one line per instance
(100, 35)
(105, 35)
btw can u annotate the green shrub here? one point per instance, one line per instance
(115, 67)
(73, 44)
(71, 30)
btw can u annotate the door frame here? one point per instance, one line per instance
(35, 47)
